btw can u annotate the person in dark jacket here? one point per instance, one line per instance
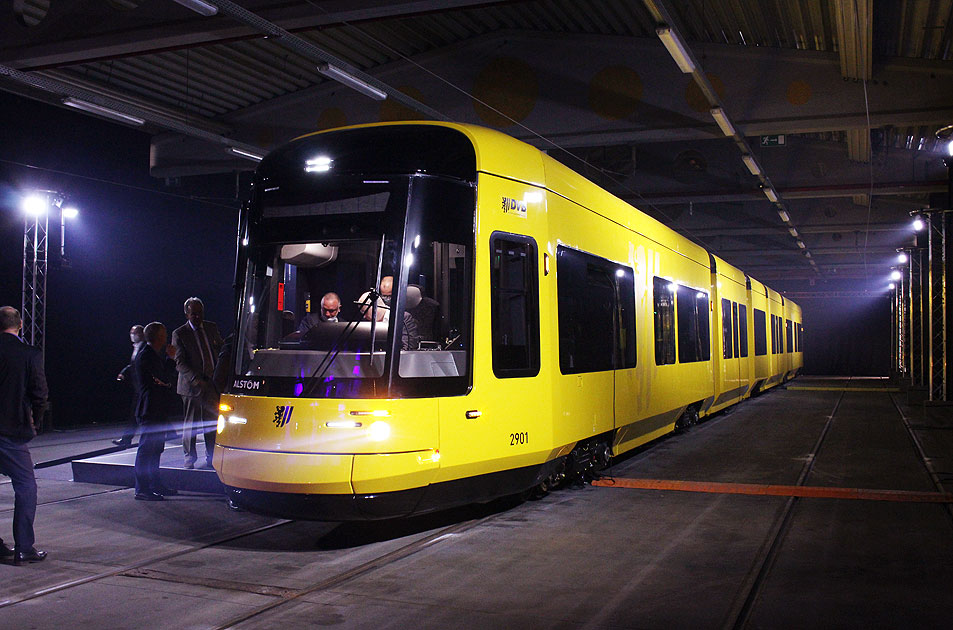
(155, 376)
(127, 375)
(23, 394)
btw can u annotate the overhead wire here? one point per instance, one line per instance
(204, 200)
(548, 141)
(870, 160)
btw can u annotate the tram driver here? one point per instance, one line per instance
(330, 312)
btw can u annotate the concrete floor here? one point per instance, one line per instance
(580, 558)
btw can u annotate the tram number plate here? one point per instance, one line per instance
(519, 438)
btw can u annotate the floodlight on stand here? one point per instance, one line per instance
(245, 154)
(675, 48)
(770, 194)
(99, 110)
(200, 7)
(902, 257)
(917, 224)
(895, 275)
(751, 164)
(784, 216)
(352, 82)
(70, 212)
(723, 123)
(34, 205)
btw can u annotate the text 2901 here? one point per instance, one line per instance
(519, 438)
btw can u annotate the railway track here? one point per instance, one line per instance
(754, 581)
(282, 596)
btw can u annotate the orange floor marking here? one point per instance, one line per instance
(776, 490)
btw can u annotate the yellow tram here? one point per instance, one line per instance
(503, 323)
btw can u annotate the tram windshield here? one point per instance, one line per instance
(359, 287)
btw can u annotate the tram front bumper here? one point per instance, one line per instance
(312, 473)
(326, 486)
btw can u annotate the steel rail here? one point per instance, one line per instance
(921, 453)
(743, 604)
(367, 567)
(16, 599)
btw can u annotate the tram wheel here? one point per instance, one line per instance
(687, 420)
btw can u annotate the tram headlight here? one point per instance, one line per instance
(379, 431)
(221, 423)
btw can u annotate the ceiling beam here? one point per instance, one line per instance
(79, 37)
(800, 192)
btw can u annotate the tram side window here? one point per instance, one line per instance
(694, 337)
(515, 305)
(743, 336)
(789, 335)
(774, 334)
(734, 326)
(760, 333)
(664, 294)
(780, 325)
(596, 304)
(726, 328)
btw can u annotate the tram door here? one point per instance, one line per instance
(497, 425)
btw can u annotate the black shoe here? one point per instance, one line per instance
(149, 496)
(5, 552)
(167, 492)
(33, 555)
(121, 442)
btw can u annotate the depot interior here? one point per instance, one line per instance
(798, 141)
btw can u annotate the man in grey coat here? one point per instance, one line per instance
(197, 344)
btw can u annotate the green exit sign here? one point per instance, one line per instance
(772, 141)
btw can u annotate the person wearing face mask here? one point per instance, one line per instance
(127, 375)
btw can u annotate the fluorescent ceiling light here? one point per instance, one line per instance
(675, 48)
(801, 244)
(770, 194)
(352, 82)
(784, 216)
(793, 232)
(723, 123)
(200, 7)
(751, 164)
(99, 110)
(246, 154)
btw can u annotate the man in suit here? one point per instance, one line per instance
(197, 343)
(23, 394)
(154, 371)
(330, 311)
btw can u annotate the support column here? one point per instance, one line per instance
(915, 312)
(35, 260)
(936, 371)
(948, 296)
(925, 313)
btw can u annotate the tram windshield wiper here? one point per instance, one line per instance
(370, 298)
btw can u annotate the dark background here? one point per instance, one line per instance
(138, 249)
(846, 336)
(141, 246)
